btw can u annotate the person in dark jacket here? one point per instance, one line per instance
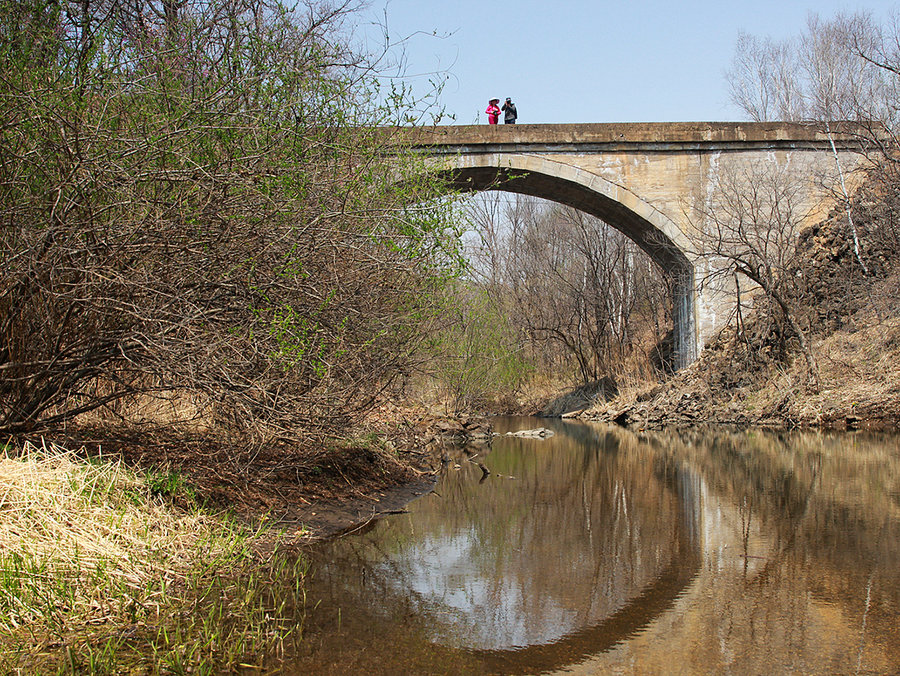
(509, 112)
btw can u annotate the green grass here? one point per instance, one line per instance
(170, 483)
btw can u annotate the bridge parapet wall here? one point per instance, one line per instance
(648, 134)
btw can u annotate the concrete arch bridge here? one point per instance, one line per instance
(651, 181)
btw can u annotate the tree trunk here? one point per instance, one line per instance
(792, 321)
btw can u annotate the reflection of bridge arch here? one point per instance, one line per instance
(559, 567)
(639, 612)
(649, 228)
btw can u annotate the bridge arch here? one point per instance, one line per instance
(652, 181)
(586, 191)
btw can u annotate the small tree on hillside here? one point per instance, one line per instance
(749, 226)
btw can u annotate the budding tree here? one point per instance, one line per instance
(194, 200)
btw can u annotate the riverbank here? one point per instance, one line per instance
(182, 555)
(754, 372)
(205, 546)
(107, 570)
(163, 550)
(314, 489)
(859, 388)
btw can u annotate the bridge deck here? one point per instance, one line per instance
(667, 134)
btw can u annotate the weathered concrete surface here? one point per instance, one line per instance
(652, 181)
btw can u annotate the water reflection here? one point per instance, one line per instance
(600, 548)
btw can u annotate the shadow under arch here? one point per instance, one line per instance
(650, 229)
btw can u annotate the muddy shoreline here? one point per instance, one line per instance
(335, 517)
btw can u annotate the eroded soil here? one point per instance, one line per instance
(316, 489)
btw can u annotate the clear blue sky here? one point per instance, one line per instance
(591, 61)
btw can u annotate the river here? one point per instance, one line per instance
(604, 550)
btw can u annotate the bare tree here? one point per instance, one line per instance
(763, 79)
(833, 71)
(579, 290)
(840, 83)
(750, 226)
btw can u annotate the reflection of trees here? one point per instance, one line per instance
(829, 502)
(830, 494)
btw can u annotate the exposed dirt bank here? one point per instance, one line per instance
(859, 388)
(320, 489)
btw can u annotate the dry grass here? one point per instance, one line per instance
(100, 573)
(860, 373)
(189, 411)
(860, 379)
(56, 506)
(859, 386)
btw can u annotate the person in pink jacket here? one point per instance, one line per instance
(493, 111)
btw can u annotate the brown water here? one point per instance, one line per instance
(601, 550)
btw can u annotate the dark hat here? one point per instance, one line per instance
(509, 99)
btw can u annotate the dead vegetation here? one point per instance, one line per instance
(102, 572)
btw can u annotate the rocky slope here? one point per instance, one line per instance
(849, 309)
